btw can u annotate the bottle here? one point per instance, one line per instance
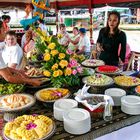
(108, 111)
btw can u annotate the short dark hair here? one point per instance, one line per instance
(4, 17)
(76, 28)
(1, 24)
(11, 33)
(62, 25)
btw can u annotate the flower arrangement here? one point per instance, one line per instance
(59, 66)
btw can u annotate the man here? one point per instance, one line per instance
(15, 76)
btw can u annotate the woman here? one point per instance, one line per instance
(63, 40)
(6, 19)
(74, 39)
(109, 40)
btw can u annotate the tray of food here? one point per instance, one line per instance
(8, 88)
(44, 83)
(16, 102)
(33, 127)
(50, 95)
(127, 81)
(92, 63)
(109, 70)
(98, 80)
(33, 72)
(87, 71)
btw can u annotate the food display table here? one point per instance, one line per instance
(98, 126)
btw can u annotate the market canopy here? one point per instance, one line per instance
(65, 4)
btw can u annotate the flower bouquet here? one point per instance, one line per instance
(59, 66)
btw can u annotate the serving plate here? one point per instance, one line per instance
(95, 80)
(87, 71)
(92, 63)
(37, 95)
(18, 109)
(48, 135)
(44, 83)
(127, 81)
(117, 72)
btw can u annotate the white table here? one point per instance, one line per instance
(127, 133)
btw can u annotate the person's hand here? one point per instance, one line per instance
(99, 47)
(35, 82)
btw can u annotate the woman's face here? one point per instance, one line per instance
(10, 40)
(75, 32)
(113, 21)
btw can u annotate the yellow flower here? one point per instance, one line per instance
(59, 36)
(56, 73)
(63, 63)
(54, 52)
(47, 73)
(60, 72)
(61, 55)
(51, 46)
(55, 66)
(68, 71)
(47, 57)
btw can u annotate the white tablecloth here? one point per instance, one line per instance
(127, 133)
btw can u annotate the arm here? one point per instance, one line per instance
(13, 65)
(123, 47)
(81, 51)
(74, 41)
(17, 78)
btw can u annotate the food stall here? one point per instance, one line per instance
(39, 114)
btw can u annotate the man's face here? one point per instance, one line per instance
(11, 40)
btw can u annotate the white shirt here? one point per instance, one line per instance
(84, 41)
(64, 40)
(43, 27)
(2, 64)
(12, 54)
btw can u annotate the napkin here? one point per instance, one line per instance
(94, 101)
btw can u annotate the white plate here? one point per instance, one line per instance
(49, 101)
(77, 121)
(109, 82)
(131, 100)
(109, 73)
(7, 109)
(48, 135)
(62, 105)
(116, 94)
(92, 63)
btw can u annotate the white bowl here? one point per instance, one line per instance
(62, 105)
(77, 121)
(116, 94)
(130, 104)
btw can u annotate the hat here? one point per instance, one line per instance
(82, 30)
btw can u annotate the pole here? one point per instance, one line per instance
(91, 19)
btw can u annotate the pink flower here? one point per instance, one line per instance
(69, 51)
(31, 126)
(74, 72)
(79, 69)
(73, 62)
